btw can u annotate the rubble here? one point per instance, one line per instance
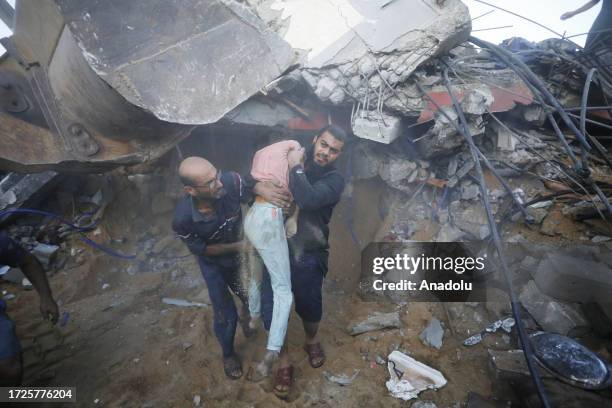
(552, 315)
(45, 253)
(433, 334)
(342, 380)
(182, 303)
(346, 57)
(409, 377)
(505, 324)
(377, 321)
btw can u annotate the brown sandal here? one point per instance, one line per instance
(232, 367)
(284, 376)
(315, 352)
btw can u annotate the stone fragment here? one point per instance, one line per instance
(470, 191)
(45, 253)
(377, 321)
(325, 87)
(574, 277)
(471, 220)
(551, 315)
(433, 334)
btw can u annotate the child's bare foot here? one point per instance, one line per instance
(265, 366)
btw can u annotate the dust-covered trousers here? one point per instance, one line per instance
(220, 279)
(265, 229)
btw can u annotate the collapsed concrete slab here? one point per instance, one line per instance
(194, 72)
(345, 53)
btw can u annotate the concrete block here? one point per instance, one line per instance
(380, 128)
(551, 315)
(574, 278)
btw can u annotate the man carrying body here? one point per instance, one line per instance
(316, 187)
(209, 220)
(11, 367)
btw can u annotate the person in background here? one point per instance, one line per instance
(601, 30)
(12, 254)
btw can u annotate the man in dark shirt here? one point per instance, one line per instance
(316, 187)
(11, 254)
(209, 220)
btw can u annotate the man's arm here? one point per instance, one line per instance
(198, 246)
(582, 9)
(322, 193)
(33, 270)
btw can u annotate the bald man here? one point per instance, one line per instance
(209, 220)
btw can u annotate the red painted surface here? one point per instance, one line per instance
(504, 99)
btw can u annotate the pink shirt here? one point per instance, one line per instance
(270, 163)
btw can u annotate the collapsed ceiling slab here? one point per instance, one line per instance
(192, 72)
(352, 46)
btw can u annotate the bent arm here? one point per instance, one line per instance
(582, 9)
(33, 270)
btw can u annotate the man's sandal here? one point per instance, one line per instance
(284, 377)
(316, 356)
(232, 367)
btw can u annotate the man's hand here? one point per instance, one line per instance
(296, 157)
(273, 193)
(49, 309)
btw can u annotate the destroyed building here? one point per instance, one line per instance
(454, 140)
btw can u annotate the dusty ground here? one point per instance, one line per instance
(123, 347)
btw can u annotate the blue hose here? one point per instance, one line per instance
(80, 230)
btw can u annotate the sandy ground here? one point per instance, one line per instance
(123, 347)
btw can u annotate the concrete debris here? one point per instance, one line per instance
(469, 191)
(26, 284)
(45, 253)
(505, 139)
(574, 277)
(10, 274)
(409, 377)
(510, 364)
(552, 315)
(505, 324)
(470, 219)
(253, 55)
(443, 138)
(381, 128)
(182, 303)
(346, 55)
(433, 334)
(342, 380)
(377, 321)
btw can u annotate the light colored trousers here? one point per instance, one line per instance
(264, 227)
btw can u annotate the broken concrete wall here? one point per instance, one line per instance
(346, 55)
